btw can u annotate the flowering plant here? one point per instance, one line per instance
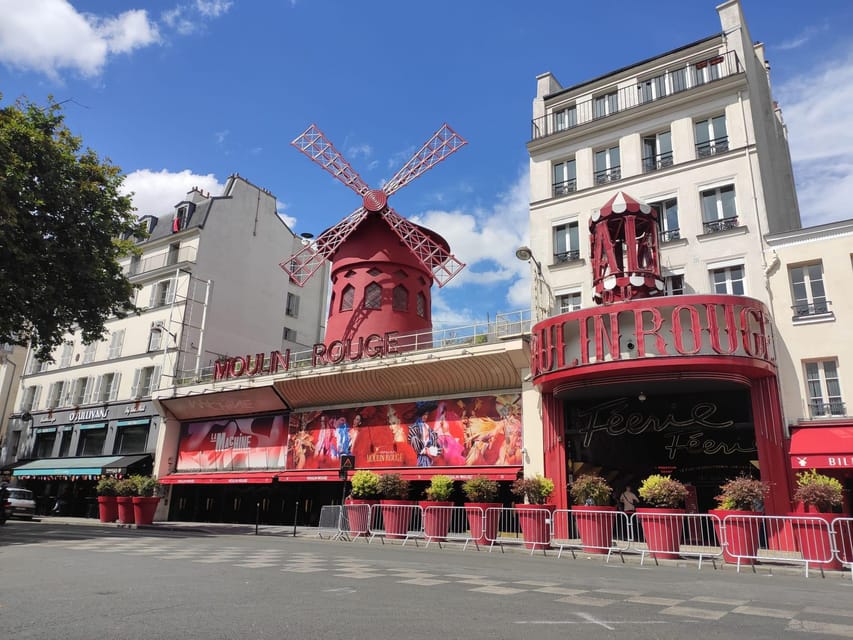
(537, 489)
(663, 492)
(106, 486)
(591, 490)
(393, 486)
(365, 485)
(480, 489)
(818, 490)
(440, 488)
(742, 493)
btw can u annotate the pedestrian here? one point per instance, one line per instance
(628, 500)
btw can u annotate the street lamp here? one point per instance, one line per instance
(542, 295)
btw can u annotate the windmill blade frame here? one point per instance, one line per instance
(443, 143)
(314, 144)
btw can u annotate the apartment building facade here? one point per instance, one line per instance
(209, 287)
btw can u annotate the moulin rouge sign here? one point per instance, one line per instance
(655, 327)
(336, 352)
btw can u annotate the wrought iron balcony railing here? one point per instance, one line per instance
(723, 224)
(608, 175)
(565, 187)
(819, 409)
(670, 81)
(806, 309)
(660, 161)
(712, 147)
(567, 256)
(669, 236)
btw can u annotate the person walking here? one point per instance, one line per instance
(628, 500)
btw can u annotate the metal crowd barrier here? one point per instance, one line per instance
(842, 530)
(530, 528)
(451, 524)
(675, 535)
(396, 522)
(591, 530)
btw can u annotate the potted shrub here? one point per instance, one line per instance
(534, 516)
(125, 490)
(146, 499)
(396, 507)
(481, 509)
(592, 511)
(662, 522)
(107, 505)
(818, 494)
(364, 494)
(438, 507)
(735, 524)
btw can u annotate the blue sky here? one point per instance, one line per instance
(183, 94)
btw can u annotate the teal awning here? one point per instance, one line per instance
(87, 466)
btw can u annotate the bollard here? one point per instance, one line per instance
(295, 517)
(257, 515)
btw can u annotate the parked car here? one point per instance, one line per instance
(20, 503)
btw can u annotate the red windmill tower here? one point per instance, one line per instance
(383, 266)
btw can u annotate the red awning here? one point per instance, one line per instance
(247, 477)
(822, 448)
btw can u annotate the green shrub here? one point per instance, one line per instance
(818, 490)
(145, 485)
(126, 488)
(106, 486)
(537, 489)
(440, 488)
(392, 486)
(591, 489)
(480, 489)
(663, 492)
(742, 493)
(365, 485)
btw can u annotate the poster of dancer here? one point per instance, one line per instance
(227, 444)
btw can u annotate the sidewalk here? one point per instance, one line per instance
(208, 528)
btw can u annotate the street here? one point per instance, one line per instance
(61, 581)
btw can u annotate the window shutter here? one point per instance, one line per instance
(36, 394)
(170, 292)
(96, 388)
(67, 390)
(134, 390)
(88, 389)
(155, 380)
(114, 387)
(152, 302)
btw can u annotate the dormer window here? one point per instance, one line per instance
(182, 215)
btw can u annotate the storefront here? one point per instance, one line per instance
(827, 448)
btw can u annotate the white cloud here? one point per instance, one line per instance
(213, 8)
(48, 36)
(157, 192)
(193, 17)
(289, 220)
(818, 109)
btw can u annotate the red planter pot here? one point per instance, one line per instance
(358, 517)
(534, 520)
(813, 539)
(144, 508)
(482, 522)
(107, 509)
(436, 519)
(662, 531)
(396, 515)
(742, 534)
(125, 509)
(595, 525)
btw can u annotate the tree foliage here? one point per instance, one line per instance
(63, 225)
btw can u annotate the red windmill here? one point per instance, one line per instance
(383, 265)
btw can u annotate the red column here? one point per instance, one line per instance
(769, 438)
(553, 425)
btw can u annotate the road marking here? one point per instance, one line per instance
(424, 582)
(340, 590)
(498, 591)
(709, 600)
(534, 583)
(561, 591)
(829, 612)
(807, 626)
(358, 576)
(588, 602)
(763, 611)
(588, 617)
(661, 602)
(691, 612)
(616, 592)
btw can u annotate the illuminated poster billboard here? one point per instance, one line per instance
(228, 444)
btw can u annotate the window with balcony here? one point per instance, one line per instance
(667, 219)
(807, 290)
(651, 89)
(657, 151)
(347, 298)
(719, 211)
(400, 298)
(91, 440)
(145, 380)
(116, 342)
(565, 178)
(708, 70)
(67, 354)
(566, 118)
(605, 105)
(674, 284)
(291, 307)
(566, 242)
(711, 136)
(567, 302)
(606, 165)
(823, 389)
(373, 296)
(728, 281)
(89, 352)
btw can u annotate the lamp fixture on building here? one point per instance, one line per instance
(542, 296)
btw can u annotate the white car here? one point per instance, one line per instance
(20, 503)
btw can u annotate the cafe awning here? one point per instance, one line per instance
(247, 477)
(822, 448)
(84, 466)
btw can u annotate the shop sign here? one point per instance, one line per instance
(87, 414)
(822, 462)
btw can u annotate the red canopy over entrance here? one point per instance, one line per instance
(822, 448)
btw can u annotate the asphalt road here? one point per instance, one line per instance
(59, 581)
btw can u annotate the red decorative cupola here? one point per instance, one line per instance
(625, 261)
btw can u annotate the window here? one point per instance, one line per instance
(131, 439)
(652, 89)
(30, 399)
(135, 262)
(674, 284)
(144, 381)
(155, 336)
(54, 394)
(667, 219)
(605, 105)
(82, 392)
(89, 352)
(607, 165)
(707, 70)
(45, 440)
(106, 388)
(36, 365)
(728, 280)
(566, 242)
(91, 440)
(566, 119)
(421, 305)
(824, 389)
(565, 178)
(807, 290)
(116, 341)
(567, 302)
(711, 136)
(657, 151)
(65, 442)
(288, 334)
(292, 306)
(400, 298)
(162, 293)
(181, 218)
(172, 256)
(373, 296)
(719, 212)
(347, 298)
(67, 353)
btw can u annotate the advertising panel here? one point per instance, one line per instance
(229, 444)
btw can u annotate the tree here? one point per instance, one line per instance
(63, 225)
